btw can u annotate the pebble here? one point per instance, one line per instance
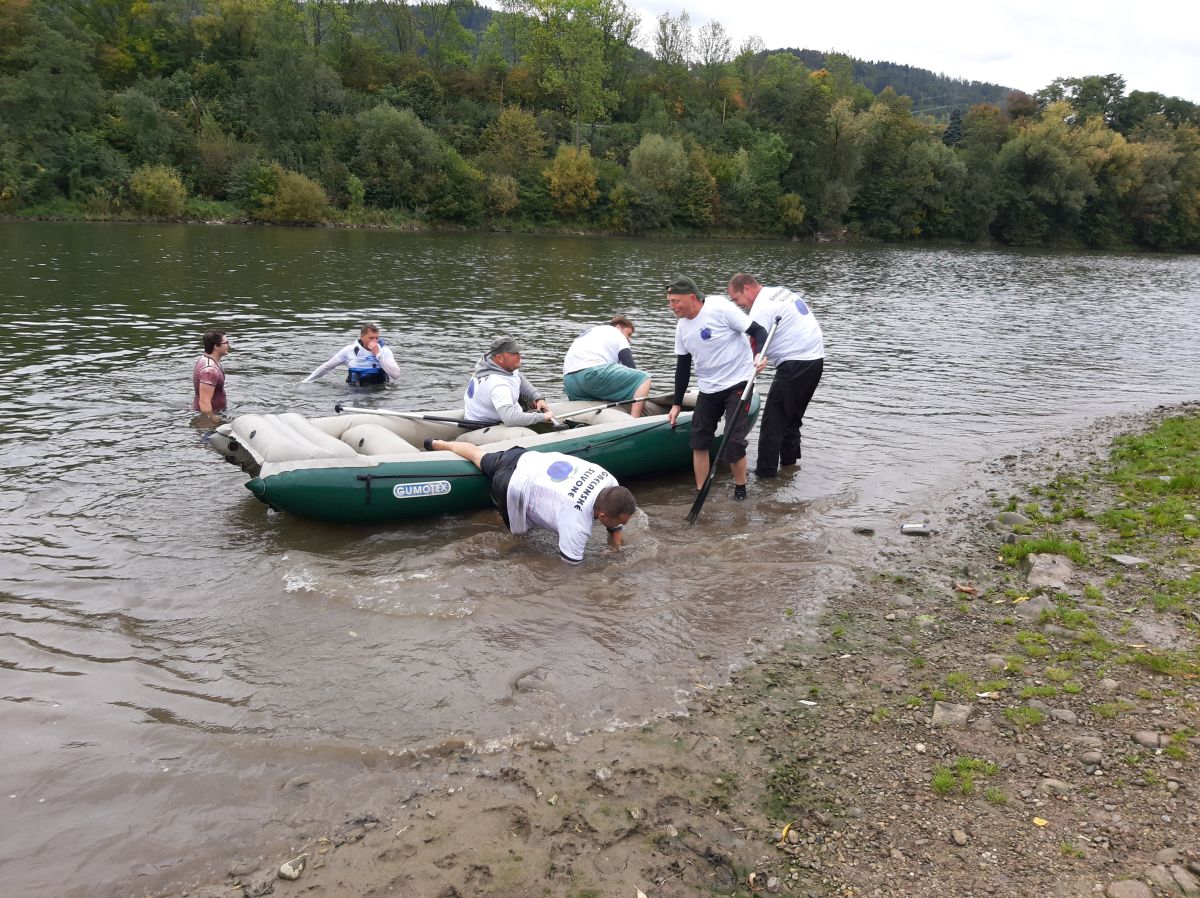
(603, 773)
(948, 714)
(1065, 715)
(1058, 787)
(1147, 738)
(1129, 560)
(1108, 685)
(1128, 888)
(1188, 884)
(1012, 518)
(1166, 856)
(920, 748)
(1092, 757)
(292, 869)
(959, 837)
(772, 883)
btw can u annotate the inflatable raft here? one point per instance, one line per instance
(359, 467)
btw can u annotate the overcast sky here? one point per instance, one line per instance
(1023, 44)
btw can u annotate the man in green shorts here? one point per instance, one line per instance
(599, 365)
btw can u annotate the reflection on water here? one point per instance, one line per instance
(173, 655)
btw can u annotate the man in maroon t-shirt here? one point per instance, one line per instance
(208, 377)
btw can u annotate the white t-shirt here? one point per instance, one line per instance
(556, 492)
(600, 345)
(798, 337)
(717, 341)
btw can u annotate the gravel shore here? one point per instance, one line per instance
(963, 726)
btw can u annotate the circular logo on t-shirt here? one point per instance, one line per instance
(706, 333)
(471, 388)
(801, 307)
(560, 471)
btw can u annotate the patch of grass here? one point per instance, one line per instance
(1070, 850)
(998, 685)
(1034, 644)
(917, 662)
(1176, 749)
(914, 701)
(1072, 688)
(961, 776)
(995, 796)
(961, 683)
(1109, 710)
(1058, 674)
(943, 781)
(1024, 716)
(1039, 692)
(1014, 553)
(879, 715)
(1170, 664)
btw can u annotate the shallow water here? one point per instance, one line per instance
(175, 660)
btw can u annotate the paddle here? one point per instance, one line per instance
(743, 405)
(415, 416)
(597, 408)
(419, 416)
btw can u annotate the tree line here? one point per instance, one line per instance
(548, 114)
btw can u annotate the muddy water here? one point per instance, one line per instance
(185, 674)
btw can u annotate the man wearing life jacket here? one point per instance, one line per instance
(370, 363)
(798, 353)
(208, 377)
(551, 491)
(497, 389)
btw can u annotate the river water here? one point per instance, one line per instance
(186, 675)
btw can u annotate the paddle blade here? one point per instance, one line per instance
(701, 495)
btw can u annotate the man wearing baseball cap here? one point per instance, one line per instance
(497, 389)
(711, 332)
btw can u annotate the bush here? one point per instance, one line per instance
(269, 192)
(502, 195)
(572, 178)
(157, 190)
(297, 200)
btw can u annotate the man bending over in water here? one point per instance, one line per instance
(552, 491)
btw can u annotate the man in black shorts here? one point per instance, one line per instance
(712, 333)
(551, 491)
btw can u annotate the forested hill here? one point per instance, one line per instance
(932, 94)
(560, 115)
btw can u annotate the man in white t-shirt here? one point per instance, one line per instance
(712, 333)
(551, 491)
(599, 365)
(798, 353)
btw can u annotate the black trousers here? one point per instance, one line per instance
(787, 401)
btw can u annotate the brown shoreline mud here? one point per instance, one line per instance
(954, 730)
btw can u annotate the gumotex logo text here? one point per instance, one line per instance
(416, 490)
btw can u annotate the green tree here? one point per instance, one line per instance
(513, 143)
(564, 43)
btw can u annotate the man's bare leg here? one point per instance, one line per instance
(639, 400)
(700, 464)
(739, 471)
(472, 453)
